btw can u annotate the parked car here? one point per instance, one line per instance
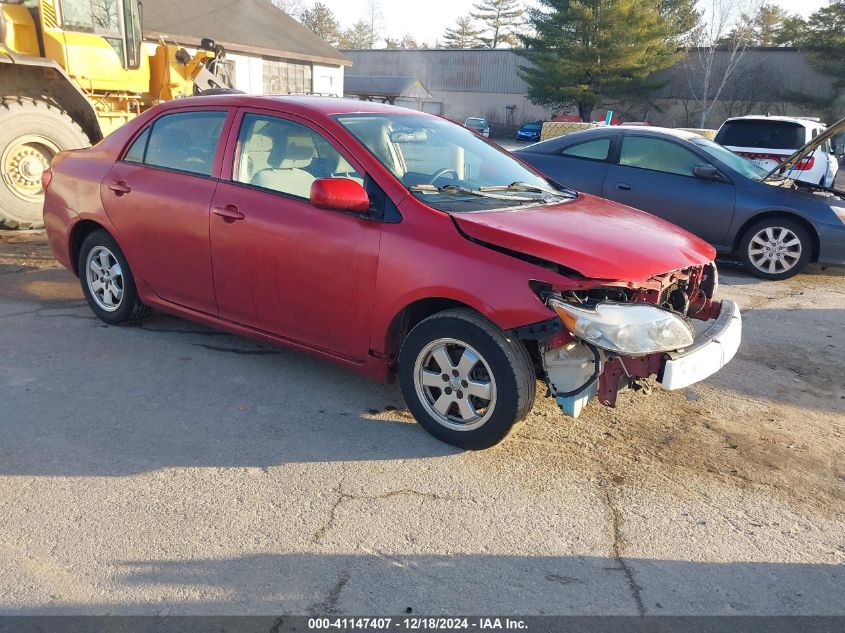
(393, 242)
(774, 224)
(530, 132)
(767, 141)
(478, 125)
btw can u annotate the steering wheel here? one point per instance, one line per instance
(442, 172)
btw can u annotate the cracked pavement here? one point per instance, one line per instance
(168, 468)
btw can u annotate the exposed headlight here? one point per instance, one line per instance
(630, 329)
(839, 211)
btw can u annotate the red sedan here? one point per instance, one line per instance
(393, 242)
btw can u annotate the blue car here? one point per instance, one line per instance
(773, 223)
(530, 132)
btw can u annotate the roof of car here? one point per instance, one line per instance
(618, 129)
(810, 122)
(684, 134)
(301, 104)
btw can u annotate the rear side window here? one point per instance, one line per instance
(135, 154)
(658, 155)
(184, 141)
(762, 134)
(592, 150)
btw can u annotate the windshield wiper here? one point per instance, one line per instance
(529, 188)
(483, 192)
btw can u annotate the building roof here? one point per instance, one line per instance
(247, 26)
(389, 86)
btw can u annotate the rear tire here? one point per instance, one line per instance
(107, 281)
(775, 248)
(31, 134)
(464, 380)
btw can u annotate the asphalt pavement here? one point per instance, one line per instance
(171, 469)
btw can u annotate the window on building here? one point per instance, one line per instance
(283, 77)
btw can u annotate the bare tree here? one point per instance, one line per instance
(294, 8)
(717, 47)
(374, 19)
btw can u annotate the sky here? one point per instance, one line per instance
(427, 25)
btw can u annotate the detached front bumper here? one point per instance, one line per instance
(711, 351)
(577, 372)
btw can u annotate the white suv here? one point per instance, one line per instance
(769, 140)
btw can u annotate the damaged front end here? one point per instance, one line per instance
(616, 335)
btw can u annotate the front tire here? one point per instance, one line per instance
(31, 133)
(464, 380)
(107, 281)
(775, 248)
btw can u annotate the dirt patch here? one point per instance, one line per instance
(25, 250)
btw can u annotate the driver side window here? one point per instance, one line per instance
(658, 155)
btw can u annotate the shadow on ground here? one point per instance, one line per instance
(395, 584)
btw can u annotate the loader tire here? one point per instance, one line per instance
(31, 133)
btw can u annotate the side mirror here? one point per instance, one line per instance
(339, 194)
(705, 172)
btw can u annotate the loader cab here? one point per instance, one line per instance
(98, 42)
(116, 21)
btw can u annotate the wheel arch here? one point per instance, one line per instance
(788, 215)
(78, 233)
(412, 314)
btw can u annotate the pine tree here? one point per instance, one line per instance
(825, 39)
(320, 20)
(765, 27)
(359, 35)
(583, 51)
(464, 35)
(502, 19)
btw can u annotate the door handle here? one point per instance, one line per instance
(230, 212)
(624, 186)
(120, 187)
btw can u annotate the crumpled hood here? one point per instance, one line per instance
(598, 238)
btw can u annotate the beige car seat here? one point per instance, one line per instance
(290, 175)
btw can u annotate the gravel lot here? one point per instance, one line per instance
(169, 468)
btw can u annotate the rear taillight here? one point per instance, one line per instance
(804, 164)
(764, 156)
(46, 177)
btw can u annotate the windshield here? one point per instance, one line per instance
(532, 127)
(447, 166)
(734, 161)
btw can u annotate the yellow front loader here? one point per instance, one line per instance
(71, 71)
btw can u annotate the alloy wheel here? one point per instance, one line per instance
(774, 250)
(105, 278)
(455, 384)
